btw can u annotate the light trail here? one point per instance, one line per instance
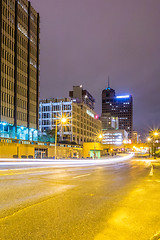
(27, 163)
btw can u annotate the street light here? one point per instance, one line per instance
(149, 140)
(124, 143)
(155, 134)
(100, 137)
(62, 120)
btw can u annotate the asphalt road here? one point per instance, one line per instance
(117, 200)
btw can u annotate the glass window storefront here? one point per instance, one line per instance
(8, 131)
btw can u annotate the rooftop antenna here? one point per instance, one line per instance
(108, 82)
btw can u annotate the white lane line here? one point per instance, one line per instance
(151, 172)
(79, 176)
(156, 236)
(22, 172)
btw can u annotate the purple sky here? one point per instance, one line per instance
(84, 41)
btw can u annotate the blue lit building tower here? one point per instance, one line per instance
(119, 106)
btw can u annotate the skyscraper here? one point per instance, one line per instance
(119, 106)
(19, 69)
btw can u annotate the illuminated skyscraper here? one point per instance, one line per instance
(119, 106)
(19, 74)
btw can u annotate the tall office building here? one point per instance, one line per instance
(119, 106)
(136, 137)
(82, 96)
(19, 70)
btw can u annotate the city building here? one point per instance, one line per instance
(37, 150)
(82, 96)
(119, 106)
(19, 70)
(82, 125)
(135, 137)
(115, 137)
(109, 122)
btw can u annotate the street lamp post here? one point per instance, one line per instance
(94, 153)
(100, 136)
(149, 140)
(155, 135)
(62, 121)
(124, 143)
(56, 140)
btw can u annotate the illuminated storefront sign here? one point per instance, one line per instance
(90, 113)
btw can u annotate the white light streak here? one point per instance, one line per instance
(7, 163)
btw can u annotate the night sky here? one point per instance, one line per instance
(84, 41)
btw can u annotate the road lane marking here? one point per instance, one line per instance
(59, 191)
(157, 181)
(156, 236)
(151, 172)
(20, 173)
(79, 176)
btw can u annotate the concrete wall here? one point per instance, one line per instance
(87, 147)
(8, 150)
(65, 152)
